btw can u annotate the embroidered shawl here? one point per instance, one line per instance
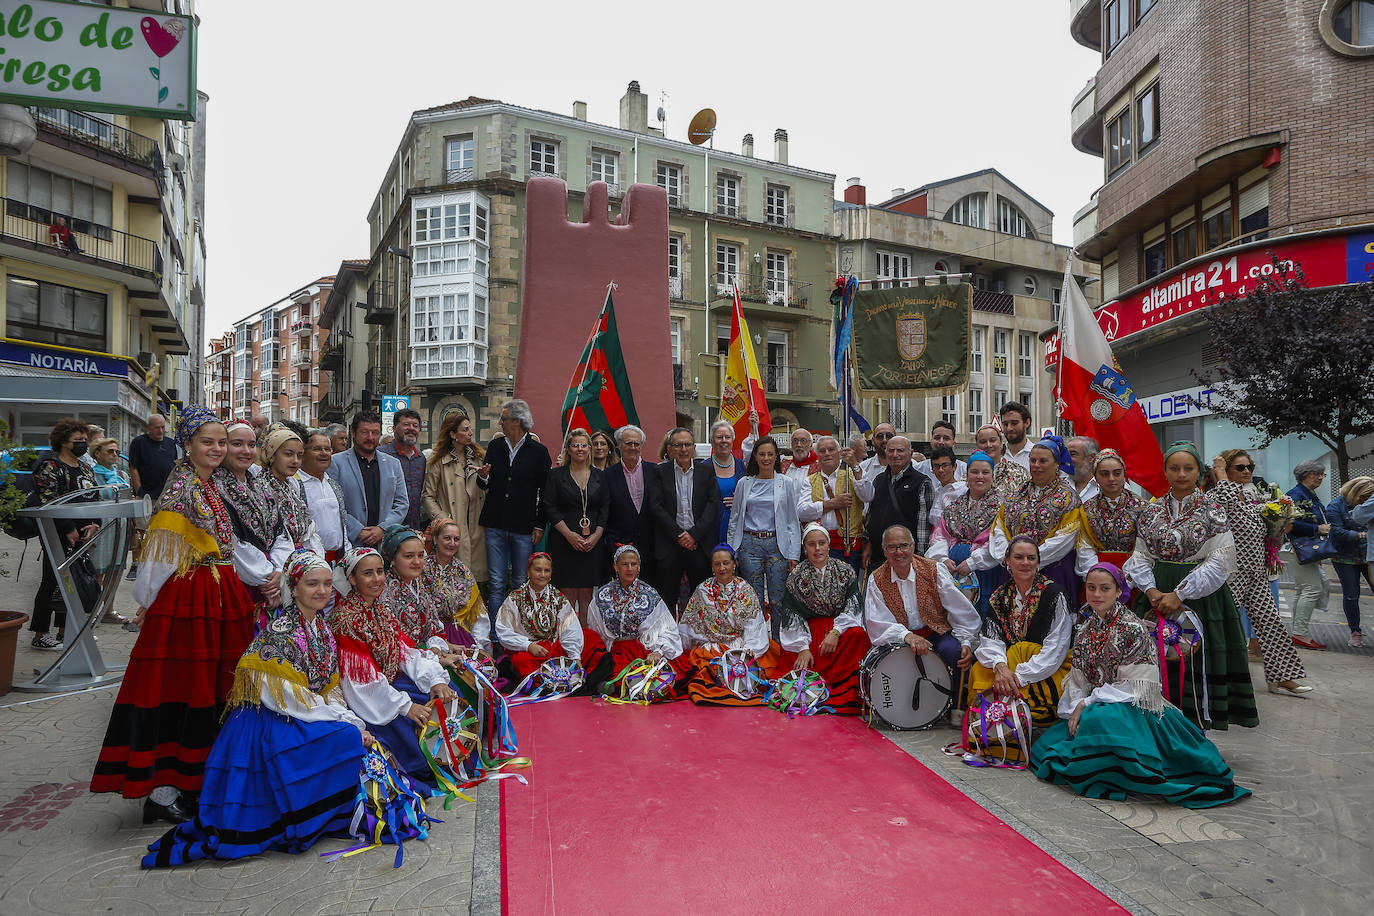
(720, 612)
(1111, 523)
(191, 524)
(1118, 648)
(460, 602)
(288, 654)
(624, 610)
(968, 519)
(1030, 621)
(369, 638)
(824, 592)
(1180, 538)
(538, 612)
(1037, 510)
(253, 513)
(415, 608)
(1009, 477)
(288, 498)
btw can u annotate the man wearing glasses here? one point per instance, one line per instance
(684, 504)
(912, 600)
(872, 466)
(631, 483)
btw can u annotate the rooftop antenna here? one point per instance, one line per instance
(662, 115)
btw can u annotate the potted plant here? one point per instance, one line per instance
(12, 459)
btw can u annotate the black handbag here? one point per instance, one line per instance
(87, 585)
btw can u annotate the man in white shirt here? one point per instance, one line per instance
(942, 436)
(835, 495)
(947, 488)
(1016, 418)
(1084, 451)
(323, 495)
(912, 600)
(873, 466)
(804, 460)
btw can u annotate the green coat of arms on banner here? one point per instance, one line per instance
(912, 340)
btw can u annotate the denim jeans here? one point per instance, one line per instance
(1308, 579)
(506, 548)
(761, 562)
(1349, 575)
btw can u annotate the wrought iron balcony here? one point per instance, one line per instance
(101, 135)
(301, 359)
(332, 356)
(24, 222)
(985, 300)
(757, 288)
(787, 381)
(303, 327)
(675, 288)
(679, 378)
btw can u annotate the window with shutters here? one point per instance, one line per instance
(1254, 211)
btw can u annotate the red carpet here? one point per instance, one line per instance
(677, 809)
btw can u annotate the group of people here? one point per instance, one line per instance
(334, 597)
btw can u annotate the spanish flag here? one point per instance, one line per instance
(742, 389)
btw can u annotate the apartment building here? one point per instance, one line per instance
(443, 277)
(983, 225)
(345, 358)
(1230, 134)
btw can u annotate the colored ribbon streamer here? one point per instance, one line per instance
(388, 808)
(800, 693)
(553, 680)
(640, 682)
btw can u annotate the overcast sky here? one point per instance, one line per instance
(308, 100)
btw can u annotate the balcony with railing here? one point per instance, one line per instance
(380, 308)
(100, 246)
(298, 391)
(986, 300)
(101, 139)
(787, 382)
(453, 176)
(679, 378)
(332, 356)
(675, 288)
(756, 289)
(332, 403)
(780, 219)
(303, 328)
(301, 359)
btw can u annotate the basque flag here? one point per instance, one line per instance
(599, 395)
(1097, 398)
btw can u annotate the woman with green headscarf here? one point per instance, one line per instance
(1184, 553)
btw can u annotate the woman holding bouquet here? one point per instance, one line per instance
(1250, 582)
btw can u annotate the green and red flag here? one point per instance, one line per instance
(599, 395)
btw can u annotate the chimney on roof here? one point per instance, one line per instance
(747, 147)
(898, 192)
(634, 109)
(780, 146)
(580, 110)
(855, 192)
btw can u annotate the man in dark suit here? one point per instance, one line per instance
(685, 506)
(517, 465)
(632, 483)
(902, 495)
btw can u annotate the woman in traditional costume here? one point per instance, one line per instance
(823, 621)
(1109, 518)
(1249, 583)
(961, 538)
(195, 618)
(1184, 553)
(284, 770)
(282, 451)
(1046, 508)
(1008, 476)
(724, 613)
(415, 607)
(261, 543)
(536, 623)
(460, 603)
(386, 680)
(631, 619)
(1120, 735)
(1024, 648)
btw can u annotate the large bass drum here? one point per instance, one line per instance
(904, 690)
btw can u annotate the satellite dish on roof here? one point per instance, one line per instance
(702, 126)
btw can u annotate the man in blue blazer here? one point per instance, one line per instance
(373, 484)
(631, 479)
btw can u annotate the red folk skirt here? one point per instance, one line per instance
(705, 689)
(840, 668)
(172, 698)
(525, 664)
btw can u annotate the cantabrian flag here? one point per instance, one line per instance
(599, 395)
(742, 389)
(1096, 397)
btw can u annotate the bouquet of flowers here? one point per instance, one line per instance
(1278, 513)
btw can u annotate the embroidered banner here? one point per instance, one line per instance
(912, 340)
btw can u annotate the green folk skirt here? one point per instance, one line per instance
(1230, 695)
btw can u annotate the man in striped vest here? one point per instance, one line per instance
(835, 496)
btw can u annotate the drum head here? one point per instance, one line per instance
(900, 694)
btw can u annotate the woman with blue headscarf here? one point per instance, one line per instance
(1046, 508)
(961, 538)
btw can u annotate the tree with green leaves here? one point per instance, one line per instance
(1296, 360)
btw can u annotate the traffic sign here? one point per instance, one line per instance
(390, 404)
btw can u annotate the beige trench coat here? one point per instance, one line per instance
(451, 491)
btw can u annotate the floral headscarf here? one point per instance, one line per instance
(190, 420)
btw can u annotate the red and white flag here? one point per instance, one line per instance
(1096, 397)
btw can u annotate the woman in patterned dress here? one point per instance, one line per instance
(536, 623)
(960, 539)
(1046, 508)
(1008, 476)
(1120, 736)
(415, 607)
(632, 622)
(261, 543)
(195, 620)
(460, 603)
(1184, 553)
(284, 770)
(282, 451)
(387, 680)
(823, 621)
(725, 613)
(1250, 581)
(1109, 518)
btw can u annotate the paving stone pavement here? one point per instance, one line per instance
(1304, 843)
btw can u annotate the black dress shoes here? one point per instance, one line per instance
(174, 813)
